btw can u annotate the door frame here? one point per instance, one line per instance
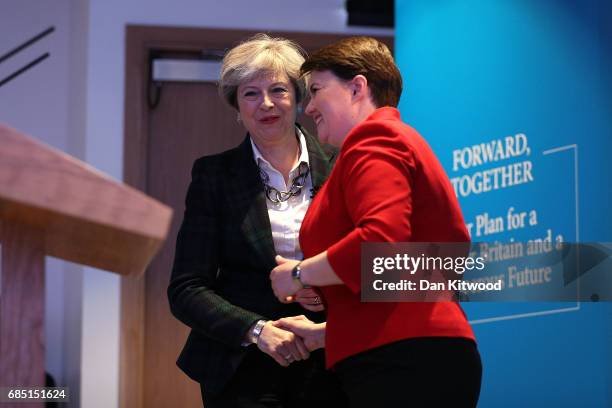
(140, 41)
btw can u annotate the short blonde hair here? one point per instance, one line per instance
(260, 54)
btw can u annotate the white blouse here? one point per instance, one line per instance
(286, 217)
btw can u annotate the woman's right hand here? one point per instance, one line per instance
(282, 345)
(313, 334)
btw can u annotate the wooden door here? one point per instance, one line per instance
(187, 121)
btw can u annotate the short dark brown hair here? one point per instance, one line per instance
(360, 56)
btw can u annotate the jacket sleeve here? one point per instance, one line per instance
(376, 182)
(191, 292)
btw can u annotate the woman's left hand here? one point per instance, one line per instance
(309, 299)
(283, 284)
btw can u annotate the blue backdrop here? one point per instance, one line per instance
(515, 97)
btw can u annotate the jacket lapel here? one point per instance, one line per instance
(255, 225)
(321, 161)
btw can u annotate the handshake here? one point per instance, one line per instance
(291, 339)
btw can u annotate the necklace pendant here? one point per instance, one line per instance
(276, 196)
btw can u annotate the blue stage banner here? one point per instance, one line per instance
(515, 98)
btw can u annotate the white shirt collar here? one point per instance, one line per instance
(259, 159)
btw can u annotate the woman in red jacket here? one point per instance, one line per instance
(387, 186)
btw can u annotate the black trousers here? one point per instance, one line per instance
(260, 382)
(422, 372)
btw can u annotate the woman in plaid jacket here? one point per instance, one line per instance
(243, 207)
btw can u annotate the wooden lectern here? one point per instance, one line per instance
(53, 204)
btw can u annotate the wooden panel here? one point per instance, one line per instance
(22, 299)
(132, 319)
(84, 215)
(132, 342)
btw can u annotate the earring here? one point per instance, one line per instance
(238, 118)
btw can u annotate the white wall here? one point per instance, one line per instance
(36, 102)
(77, 105)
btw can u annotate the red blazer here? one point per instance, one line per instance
(387, 186)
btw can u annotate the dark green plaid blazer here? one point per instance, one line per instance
(224, 254)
